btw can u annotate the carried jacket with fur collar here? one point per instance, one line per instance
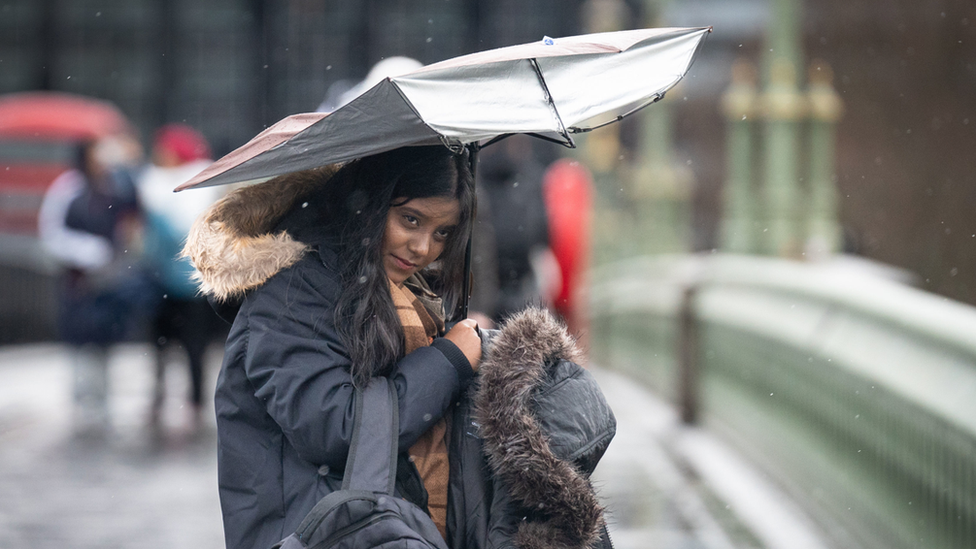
(524, 436)
(543, 425)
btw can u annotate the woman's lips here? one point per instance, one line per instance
(403, 263)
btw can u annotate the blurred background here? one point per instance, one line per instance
(780, 251)
(903, 72)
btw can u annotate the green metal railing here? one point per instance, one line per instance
(856, 392)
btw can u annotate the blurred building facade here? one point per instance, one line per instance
(233, 67)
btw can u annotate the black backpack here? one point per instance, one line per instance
(365, 513)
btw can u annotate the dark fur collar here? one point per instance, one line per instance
(561, 506)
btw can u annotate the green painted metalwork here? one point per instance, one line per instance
(782, 110)
(660, 188)
(783, 46)
(852, 390)
(823, 233)
(739, 225)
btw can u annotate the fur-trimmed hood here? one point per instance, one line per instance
(545, 424)
(232, 245)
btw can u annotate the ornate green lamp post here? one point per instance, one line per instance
(825, 108)
(783, 108)
(661, 188)
(600, 151)
(740, 227)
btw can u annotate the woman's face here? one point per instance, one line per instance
(416, 233)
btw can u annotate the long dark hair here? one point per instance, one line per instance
(361, 196)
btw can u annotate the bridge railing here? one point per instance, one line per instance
(853, 390)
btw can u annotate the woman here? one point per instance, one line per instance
(319, 269)
(322, 273)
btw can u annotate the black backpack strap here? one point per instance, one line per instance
(372, 461)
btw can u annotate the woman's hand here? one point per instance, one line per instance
(464, 334)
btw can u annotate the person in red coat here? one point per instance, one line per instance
(568, 191)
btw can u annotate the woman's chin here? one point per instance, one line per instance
(397, 276)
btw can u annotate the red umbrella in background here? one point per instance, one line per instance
(58, 116)
(38, 135)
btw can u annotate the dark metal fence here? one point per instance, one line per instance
(232, 67)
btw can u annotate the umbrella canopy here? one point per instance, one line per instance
(552, 88)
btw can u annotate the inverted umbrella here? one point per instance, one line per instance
(551, 89)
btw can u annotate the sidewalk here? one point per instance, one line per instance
(137, 489)
(154, 489)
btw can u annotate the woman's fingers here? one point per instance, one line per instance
(471, 323)
(464, 334)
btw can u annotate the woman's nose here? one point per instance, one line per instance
(420, 244)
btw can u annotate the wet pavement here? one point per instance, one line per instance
(651, 500)
(135, 487)
(155, 487)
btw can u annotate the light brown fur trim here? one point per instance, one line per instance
(231, 245)
(227, 267)
(562, 507)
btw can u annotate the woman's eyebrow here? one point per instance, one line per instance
(413, 211)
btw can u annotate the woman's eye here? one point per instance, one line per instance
(411, 219)
(443, 234)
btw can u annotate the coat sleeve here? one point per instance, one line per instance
(70, 247)
(299, 368)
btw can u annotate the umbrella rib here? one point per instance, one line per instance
(654, 99)
(496, 139)
(568, 144)
(552, 105)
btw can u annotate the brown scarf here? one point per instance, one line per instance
(429, 453)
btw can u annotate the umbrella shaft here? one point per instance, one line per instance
(466, 290)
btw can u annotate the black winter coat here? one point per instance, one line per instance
(524, 437)
(284, 403)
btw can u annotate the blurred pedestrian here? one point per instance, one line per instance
(88, 222)
(184, 317)
(568, 193)
(510, 176)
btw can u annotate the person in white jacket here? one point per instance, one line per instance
(179, 152)
(88, 223)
